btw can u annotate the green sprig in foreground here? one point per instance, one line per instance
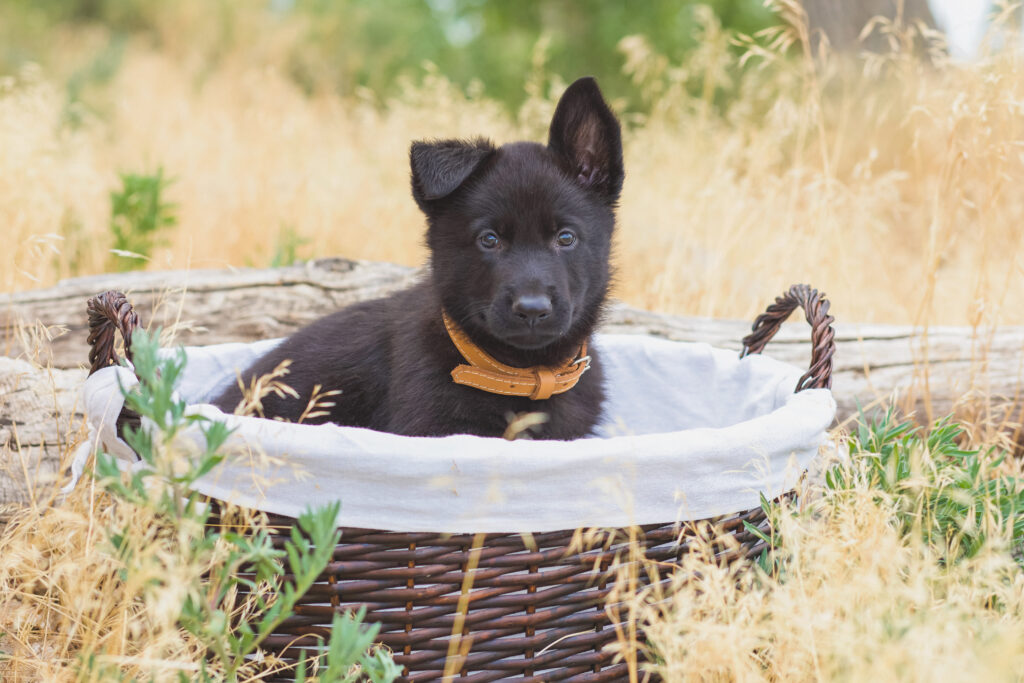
(955, 500)
(246, 588)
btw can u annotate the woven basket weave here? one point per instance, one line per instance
(525, 606)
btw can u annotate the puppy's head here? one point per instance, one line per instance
(520, 235)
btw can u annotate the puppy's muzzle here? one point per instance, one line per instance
(532, 308)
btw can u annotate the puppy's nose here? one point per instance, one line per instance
(532, 307)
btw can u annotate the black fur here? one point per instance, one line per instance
(525, 298)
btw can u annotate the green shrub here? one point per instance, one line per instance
(956, 499)
(139, 217)
(286, 249)
(238, 571)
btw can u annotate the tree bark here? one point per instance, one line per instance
(42, 333)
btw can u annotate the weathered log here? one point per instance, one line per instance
(39, 420)
(193, 307)
(935, 370)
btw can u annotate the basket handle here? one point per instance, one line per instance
(109, 312)
(823, 344)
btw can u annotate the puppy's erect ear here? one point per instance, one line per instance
(441, 167)
(586, 134)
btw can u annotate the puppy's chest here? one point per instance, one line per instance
(425, 400)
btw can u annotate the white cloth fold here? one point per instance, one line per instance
(689, 432)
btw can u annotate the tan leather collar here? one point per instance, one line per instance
(537, 383)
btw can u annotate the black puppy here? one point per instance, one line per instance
(519, 238)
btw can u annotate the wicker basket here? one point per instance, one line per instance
(529, 608)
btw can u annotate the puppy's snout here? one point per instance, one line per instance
(532, 308)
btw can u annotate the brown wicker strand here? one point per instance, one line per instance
(109, 312)
(559, 596)
(823, 346)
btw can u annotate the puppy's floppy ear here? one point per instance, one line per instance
(586, 134)
(442, 166)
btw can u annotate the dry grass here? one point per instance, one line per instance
(77, 609)
(861, 602)
(65, 602)
(129, 578)
(891, 183)
(898, 565)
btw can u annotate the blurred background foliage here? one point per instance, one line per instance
(487, 47)
(884, 164)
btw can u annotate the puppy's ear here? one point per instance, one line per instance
(441, 167)
(586, 134)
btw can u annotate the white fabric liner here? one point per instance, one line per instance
(689, 432)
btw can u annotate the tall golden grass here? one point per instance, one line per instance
(860, 602)
(66, 600)
(890, 182)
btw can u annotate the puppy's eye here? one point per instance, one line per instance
(488, 240)
(566, 238)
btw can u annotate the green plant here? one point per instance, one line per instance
(241, 587)
(956, 499)
(97, 72)
(900, 562)
(769, 560)
(138, 217)
(286, 250)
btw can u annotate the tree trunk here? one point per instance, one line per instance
(843, 20)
